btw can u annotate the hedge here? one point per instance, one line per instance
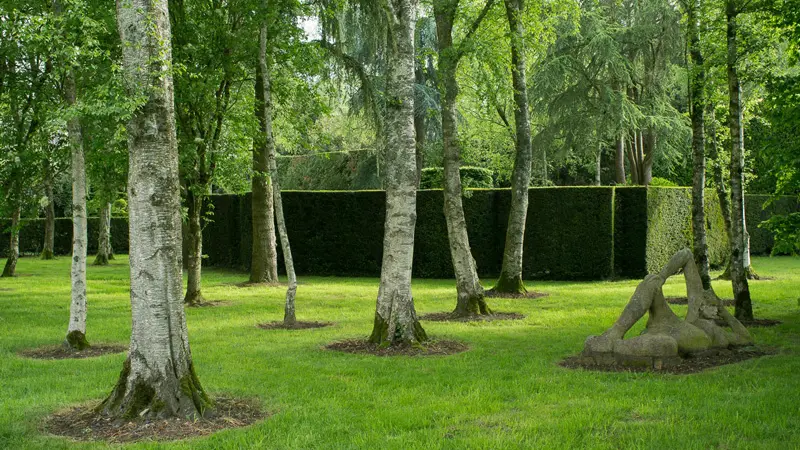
(761, 239)
(31, 235)
(572, 233)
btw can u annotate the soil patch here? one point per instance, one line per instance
(6, 289)
(689, 364)
(685, 301)
(755, 323)
(530, 295)
(363, 347)
(296, 326)
(248, 284)
(209, 304)
(449, 317)
(64, 352)
(84, 424)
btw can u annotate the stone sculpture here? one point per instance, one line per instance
(666, 337)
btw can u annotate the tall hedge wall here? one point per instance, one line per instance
(341, 233)
(572, 232)
(31, 235)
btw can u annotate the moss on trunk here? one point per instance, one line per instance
(510, 285)
(47, 255)
(410, 334)
(472, 306)
(76, 340)
(101, 260)
(193, 298)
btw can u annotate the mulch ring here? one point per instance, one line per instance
(64, 352)
(248, 284)
(209, 304)
(449, 317)
(279, 325)
(754, 323)
(530, 295)
(429, 348)
(685, 301)
(82, 423)
(686, 365)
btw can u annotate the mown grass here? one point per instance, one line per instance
(506, 392)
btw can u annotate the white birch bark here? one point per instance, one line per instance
(76, 331)
(395, 317)
(158, 378)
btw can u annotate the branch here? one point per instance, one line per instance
(474, 28)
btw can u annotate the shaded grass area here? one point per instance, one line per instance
(507, 391)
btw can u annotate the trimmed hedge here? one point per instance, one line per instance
(341, 233)
(31, 236)
(761, 239)
(572, 233)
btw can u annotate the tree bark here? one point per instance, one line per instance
(289, 317)
(110, 248)
(10, 269)
(419, 125)
(49, 218)
(396, 320)
(103, 236)
(741, 288)
(264, 258)
(76, 331)
(194, 269)
(158, 378)
(648, 145)
(697, 81)
(597, 165)
(619, 162)
(510, 280)
(470, 295)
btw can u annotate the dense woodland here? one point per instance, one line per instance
(148, 109)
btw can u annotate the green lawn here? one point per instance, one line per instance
(506, 392)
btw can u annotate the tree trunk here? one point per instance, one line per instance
(619, 162)
(194, 270)
(648, 145)
(49, 220)
(633, 159)
(470, 296)
(103, 237)
(76, 332)
(396, 320)
(419, 125)
(511, 273)
(10, 269)
(697, 81)
(110, 248)
(289, 317)
(597, 165)
(741, 288)
(264, 259)
(158, 378)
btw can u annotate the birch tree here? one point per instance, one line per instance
(396, 320)
(158, 378)
(470, 293)
(511, 272)
(739, 237)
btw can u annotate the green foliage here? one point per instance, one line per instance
(771, 222)
(329, 171)
(471, 177)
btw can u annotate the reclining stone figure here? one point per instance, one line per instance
(666, 336)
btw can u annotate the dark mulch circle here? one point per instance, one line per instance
(449, 317)
(685, 301)
(6, 289)
(84, 424)
(248, 284)
(209, 304)
(362, 347)
(530, 295)
(296, 326)
(755, 323)
(64, 352)
(690, 364)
